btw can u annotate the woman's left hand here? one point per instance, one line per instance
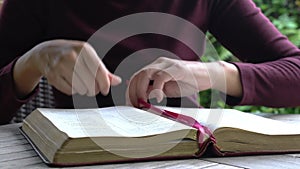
(170, 77)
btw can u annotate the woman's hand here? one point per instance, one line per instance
(73, 67)
(168, 78)
(176, 78)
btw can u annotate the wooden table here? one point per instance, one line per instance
(15, 152)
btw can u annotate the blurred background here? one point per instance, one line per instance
(285, 15)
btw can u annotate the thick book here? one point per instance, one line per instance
(70, 137)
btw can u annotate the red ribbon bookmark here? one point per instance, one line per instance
(203, 132)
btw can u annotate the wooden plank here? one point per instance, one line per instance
(13, 142)
(17, 156)
(294, 155)
(9, 130)
(11, 137)
(35, 162)
(173, 164)
(31, 162)
(15, 149)
(5, 134)
(223, 166)
(288, 118)
(271, 161)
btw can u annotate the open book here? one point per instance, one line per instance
(67, 137)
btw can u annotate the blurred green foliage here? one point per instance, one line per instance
(285, 15)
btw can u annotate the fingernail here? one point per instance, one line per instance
(159, 98)
(119, 79)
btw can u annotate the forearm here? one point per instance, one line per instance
(230, 84)
(221, 76)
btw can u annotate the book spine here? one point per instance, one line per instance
(204, 135)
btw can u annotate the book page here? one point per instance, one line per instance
(216, 118)
(120, 121)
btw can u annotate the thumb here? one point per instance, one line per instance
(114, 79)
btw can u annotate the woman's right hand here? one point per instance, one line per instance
(73, 67)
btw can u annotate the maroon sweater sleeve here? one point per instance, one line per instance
(271, 75)
(19, 32)
(9, 102)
